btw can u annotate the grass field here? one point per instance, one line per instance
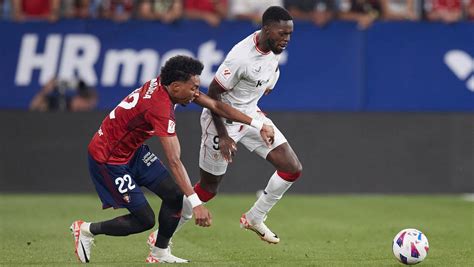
(342, 230)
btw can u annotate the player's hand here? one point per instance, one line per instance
(202, 216)
(267, 91)
(228, 147)
(268, 134)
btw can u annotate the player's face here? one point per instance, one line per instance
(279, 34)
(185, 92)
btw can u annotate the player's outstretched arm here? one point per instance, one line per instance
(172, 151)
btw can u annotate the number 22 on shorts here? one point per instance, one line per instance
(126, 181)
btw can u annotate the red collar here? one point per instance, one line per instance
(255, 40)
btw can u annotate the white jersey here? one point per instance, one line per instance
(245, 74)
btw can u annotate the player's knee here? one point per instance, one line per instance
(146, 219)
(293, 175)
(149, 223)
(298, 167)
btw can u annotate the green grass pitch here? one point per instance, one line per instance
(332, 230)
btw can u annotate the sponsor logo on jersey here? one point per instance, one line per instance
(171, 126)
(262, 82)
(226, 73)
(100, 132)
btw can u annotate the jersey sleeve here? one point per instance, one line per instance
(162, 125)
(230, 72)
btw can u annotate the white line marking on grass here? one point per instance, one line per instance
(468, 197)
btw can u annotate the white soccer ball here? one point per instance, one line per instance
(410, 246)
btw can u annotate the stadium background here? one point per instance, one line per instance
(387, 111)
(367, 111)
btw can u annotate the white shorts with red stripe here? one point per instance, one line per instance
(210, 157)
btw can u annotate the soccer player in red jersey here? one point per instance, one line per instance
(119, 162)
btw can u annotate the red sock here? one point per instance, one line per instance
(290, 177)
(203, 195)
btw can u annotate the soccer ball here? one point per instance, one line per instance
(410, 246)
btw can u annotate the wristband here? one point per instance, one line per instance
(256, 124)
(194, 200)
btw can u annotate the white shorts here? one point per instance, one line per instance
(210, 157)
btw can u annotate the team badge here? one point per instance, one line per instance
(226, 73)
(126, 198)
(171, 126)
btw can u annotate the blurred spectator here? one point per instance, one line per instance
(35, 9)
(75, 8)
(470, 9)
(167, 11)
(3, 9)
(447, 11)
(211, 11)
(60, 95)
(318, 11)
(364, 12)
(250, 9)
(117, 10)
(399, 9)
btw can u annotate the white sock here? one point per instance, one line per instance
(275, 189)
(186, 213)
(159, 252)
(86, 228)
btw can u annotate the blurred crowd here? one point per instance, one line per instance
(65, 95)
(364, 12)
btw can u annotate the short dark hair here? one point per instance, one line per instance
(180, 68)
(275, 14)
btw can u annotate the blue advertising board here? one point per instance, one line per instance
(390, 67)
(417, 67)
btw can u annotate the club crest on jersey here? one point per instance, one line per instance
(171, 126)
(226, 73)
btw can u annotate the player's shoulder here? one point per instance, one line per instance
(243, 50)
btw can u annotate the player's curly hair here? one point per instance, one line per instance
(275, 14)
(180, 68)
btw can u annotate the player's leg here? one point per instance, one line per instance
(288, 167)
(288, 170)
(138, 220)
(170, 211)
(206, 189)
(212, 164)
(116, 188)
(153, 175)
(168, 218)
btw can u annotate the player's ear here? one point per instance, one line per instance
(174, 86)
(266, 29)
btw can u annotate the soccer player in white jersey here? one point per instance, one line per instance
(249, 71)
